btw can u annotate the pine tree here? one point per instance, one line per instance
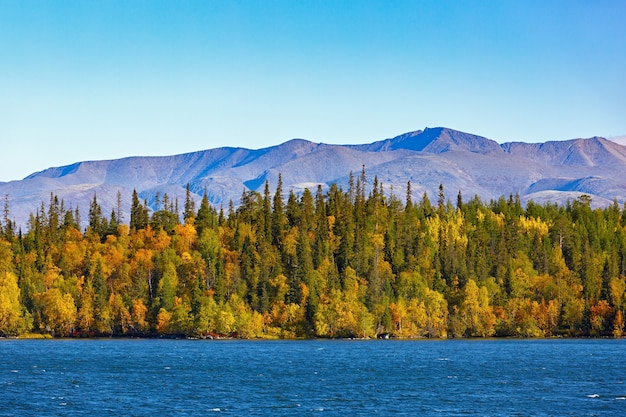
(113, 223)
(294, 212)
(69, 220)
(53, 219)
(166, 218)
(203, 219)
(265, 218)
(441, 201)
(97, 223)
(190, 205)
(7, 231)
(408, 206)
(139, 216)
(278, 214)
(321, 248)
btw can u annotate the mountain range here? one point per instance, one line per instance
(554, 171)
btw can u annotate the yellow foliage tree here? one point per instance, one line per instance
(185, 237)
(163, 320)
(59, 312)
(476, 314)
(138, 316)
(86, 309)
(13, 319)
(119, 312)
(599, 317)
(225, 320)
(618, 324)
(436, 308)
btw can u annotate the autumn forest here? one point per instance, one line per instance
(363, 262)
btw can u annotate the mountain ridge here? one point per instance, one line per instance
(550, 171)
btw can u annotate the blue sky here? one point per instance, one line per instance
(85, 80)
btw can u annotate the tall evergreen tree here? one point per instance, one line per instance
(441, 200)
(113, 223)
(321, 249)
(408, 206)
(190, 205)
(204, 219)
(278, 214)
(139, 216)
(266, 214)
(97, 223)
(7, 227)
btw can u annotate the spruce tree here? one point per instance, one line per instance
(266, 214)
(138, 213)
(203, 219)
(190, 205)
(278, 214)
(97, 223)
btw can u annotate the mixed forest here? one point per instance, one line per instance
(360, 262)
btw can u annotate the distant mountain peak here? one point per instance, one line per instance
(296, 142)
(551, 171)
(590, 152)
(441, 139)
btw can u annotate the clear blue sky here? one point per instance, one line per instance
(84, 80)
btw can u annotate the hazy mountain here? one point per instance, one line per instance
(474, 165)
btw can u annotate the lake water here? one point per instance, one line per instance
(422, 378)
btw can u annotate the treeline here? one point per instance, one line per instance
(340, 263)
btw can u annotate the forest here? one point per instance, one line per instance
(334, 263)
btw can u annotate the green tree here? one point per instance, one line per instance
(190, 205)
(97, 223)
(139, 216)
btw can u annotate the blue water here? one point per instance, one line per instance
(422, 378)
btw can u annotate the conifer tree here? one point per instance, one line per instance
(441, 201)
(190, 205)
(139, 216)
(321, 249)
(203, 219)
(408, 206)
(265, 218)
(97, 222)
(278, 214)
(113, 223)
(294, 212)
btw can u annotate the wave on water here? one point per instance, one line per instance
(357, 378)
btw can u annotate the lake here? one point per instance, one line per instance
(119, 377)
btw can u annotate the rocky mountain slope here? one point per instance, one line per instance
(551, 171)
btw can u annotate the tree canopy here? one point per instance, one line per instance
(335, 263)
